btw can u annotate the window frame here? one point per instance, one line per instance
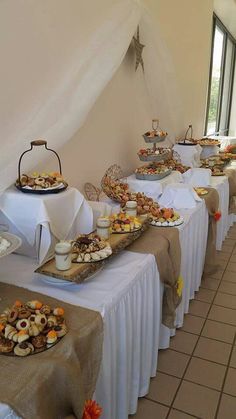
(227, 35)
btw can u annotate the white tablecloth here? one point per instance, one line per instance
(127, 294)
(153, 188)
(189, 155)
(208, 151)
(41, 220)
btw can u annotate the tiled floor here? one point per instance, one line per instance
(196, 376)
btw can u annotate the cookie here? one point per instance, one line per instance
(23, 324)
(45, 309)
(41, 320)
(33, 330)
(58, 311)
(6, 345)
(13, 315)
(51, 337)
(39, 341)
(23, 349)
(60, 330)
(34, 304)
(22, 336)
(24, 313)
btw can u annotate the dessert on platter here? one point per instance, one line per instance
(175, 165)
(4, 245)
(123, 223)
(88, 248)
(208, 142)
(115, 189)
(8, 243)
(42, 181)
(153, 171)
(217, 171)
(165, 217)
(214, 161)
(31, 327)
(201, 191)
(155, 135)
(154, 154)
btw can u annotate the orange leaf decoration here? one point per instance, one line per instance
(217, 215)
(92, 410)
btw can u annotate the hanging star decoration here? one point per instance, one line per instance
(138, 50)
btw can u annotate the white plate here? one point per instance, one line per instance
(62, 282)
(15, 243)
(172, 224)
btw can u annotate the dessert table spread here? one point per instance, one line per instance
(41, 220)
(127, 294)
(224, 140)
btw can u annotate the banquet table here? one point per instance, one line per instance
(127, 294)
(41, 220)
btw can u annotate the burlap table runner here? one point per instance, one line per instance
(54, 383)
(164, 244)
(212, 205)
(231, 174)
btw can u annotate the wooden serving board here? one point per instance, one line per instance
(80, 271)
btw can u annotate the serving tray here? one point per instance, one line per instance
(79, 272)
(158, 176)
(154, 157)
(156, 139)
(41, 191)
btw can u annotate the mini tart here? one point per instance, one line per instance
(51, 337)
(23, 349)
(34, 304)
(6, 345)
(23, 324)
(58, 311)
(60, 330)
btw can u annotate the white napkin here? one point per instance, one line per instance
(179, 196)
(198, 177)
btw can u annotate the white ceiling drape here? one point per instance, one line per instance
(56, 58)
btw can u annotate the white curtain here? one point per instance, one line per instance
(56, 58)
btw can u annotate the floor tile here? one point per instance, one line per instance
(233, 258)
(210, 283)
(229, 276)
(150, 410)
(213, 350)
(197, 400)
(218, 274)
(205, 295)
(172, 362)
(228, 287)
(223, 315)
(163, 388)
(223, 256)
(219, 331)
(233, 358)
(225, 300)
(199, 308)
(227, 407)
(206, 373)
(222, 263)
(229, 242)
(183, 342)
(192, 324)
(176, 414)
(227, 249)
(230, 382)
(231, 267)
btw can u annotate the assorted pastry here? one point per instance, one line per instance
(89, 248)
(177, 166)
(39, 181)
(115, 189)
(201, 191)
(165, 217)
(156, 133)
(153, 169)
(187, 141)
(217, 171)
(123, 223)
(30, 327)
(4, 245)
(208, 141)
(153, 153)
(214, 161)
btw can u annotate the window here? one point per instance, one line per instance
(220, 81)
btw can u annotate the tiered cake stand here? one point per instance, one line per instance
(153, 157)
